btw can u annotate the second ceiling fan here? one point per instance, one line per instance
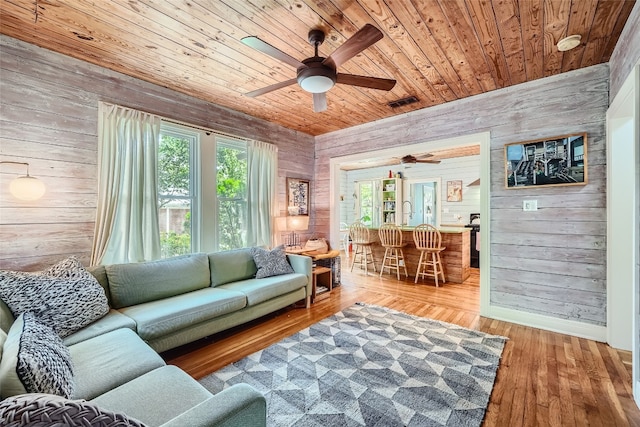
(424, 158)
(317, 74)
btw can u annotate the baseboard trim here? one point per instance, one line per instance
(553, 324)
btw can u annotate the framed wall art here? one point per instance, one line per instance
(560, 160)
(298, 196)
(454, 191)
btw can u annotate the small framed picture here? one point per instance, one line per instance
(561, 160)
(298, 196)
(454, 191)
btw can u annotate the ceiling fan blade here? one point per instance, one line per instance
(364, 81)
(319, 102)
(264, 47)
(369, 164)
(423, 155)
(271, 88)
(362, 39)
(435, 162)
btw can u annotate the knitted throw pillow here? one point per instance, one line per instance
(40, 410)
(65, 297)
(35, 360)
(271, 263)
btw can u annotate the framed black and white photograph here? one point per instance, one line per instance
(556, 161)
(298, 195)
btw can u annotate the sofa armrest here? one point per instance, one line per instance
(302, 264)
(238, 405)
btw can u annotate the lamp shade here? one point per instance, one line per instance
(27, 188)
(297, 223)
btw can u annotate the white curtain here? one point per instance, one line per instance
(262, 166)
(126, 227)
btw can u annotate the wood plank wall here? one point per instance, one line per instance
(48, 117)
(552, 261)
(627, 51)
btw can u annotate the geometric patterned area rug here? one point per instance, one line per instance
(372, 366)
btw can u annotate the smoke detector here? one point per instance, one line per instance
(569, 42)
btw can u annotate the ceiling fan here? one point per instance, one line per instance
(317, 74)
(407, 161)
(424, 158)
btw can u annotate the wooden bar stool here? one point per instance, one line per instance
(428, 239)
(361, 239)
(391, 240)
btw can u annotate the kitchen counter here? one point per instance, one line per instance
(455, 258)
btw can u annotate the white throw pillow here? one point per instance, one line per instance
(35, 360)
(271, 263)
(65, 297)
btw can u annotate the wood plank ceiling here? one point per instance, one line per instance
(437, 50)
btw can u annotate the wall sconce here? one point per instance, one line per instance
(26, 187)
(292, 224)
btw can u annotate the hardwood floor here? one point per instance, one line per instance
(544, 379)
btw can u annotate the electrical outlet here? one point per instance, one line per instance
(529, 205)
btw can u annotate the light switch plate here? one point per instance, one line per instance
(529, 205)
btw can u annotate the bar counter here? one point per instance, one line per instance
(455, 258)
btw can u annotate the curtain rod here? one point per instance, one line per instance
(181, 123)
(202, 128)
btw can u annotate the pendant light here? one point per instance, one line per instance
(26, 187)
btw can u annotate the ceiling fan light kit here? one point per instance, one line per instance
(318, 75)
(316, 78)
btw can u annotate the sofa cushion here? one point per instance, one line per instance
(65, 297)
(38, 409)
(35, 360)
(112, 321)
(137, 283)
(173, 392)
(158, 318)
(6, 317)
(271, 262)
(231, 266)
(107, 361)
(3, 338)
(260, 290)
(99, 272)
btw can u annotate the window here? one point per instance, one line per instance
(202, 190)
(367, 210)
(231, 179)
(176, 190)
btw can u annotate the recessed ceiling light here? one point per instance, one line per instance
(569, 42)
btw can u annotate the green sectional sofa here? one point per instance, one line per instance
(155, 306)
(177, 301)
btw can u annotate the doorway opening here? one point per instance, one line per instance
(339, 194)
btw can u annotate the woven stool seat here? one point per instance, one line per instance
(46, 410)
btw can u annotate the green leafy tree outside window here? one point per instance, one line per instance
(174, 187)
(231, 179)
(175, 193)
